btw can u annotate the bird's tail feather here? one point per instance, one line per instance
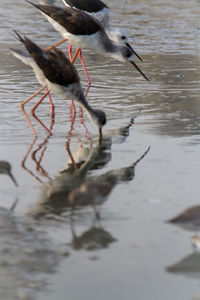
(20, 38)
(24, 56)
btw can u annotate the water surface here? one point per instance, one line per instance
(131, 251)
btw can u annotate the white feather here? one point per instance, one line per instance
(27, 59)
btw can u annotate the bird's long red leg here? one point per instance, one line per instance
(84, 67)
(34, 108)
(78, 53)
(72, 106)
(88, 78)
(75, 55)
(22, 108)
(55, 45)
(70, 52)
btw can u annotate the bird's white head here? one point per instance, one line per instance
(118, 35)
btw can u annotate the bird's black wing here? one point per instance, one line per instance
(54, 64)
(73, 20)
(87, 5)
(60, 70)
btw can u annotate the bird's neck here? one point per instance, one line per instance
(108, 45)
(85, 105)
(114, 51)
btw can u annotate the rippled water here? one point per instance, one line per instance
(131, 251)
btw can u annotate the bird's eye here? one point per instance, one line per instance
(123, 37)
(129, 54)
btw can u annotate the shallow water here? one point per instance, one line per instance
(131, 251)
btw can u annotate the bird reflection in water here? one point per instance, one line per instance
(5, 168)
(187, 266)
(189, 219)
(94, 238)
(95, 192)
(54, 195)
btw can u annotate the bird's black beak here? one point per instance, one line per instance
(134, 64)
(128, 45)
(100, 135)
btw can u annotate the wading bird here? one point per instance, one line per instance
(82, 30)
(100, 11)
(56, 73)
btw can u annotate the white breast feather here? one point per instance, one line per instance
(66, 91)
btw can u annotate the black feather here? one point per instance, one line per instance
(87, 5)
(74, 21)
(20, 38)
(55, 65)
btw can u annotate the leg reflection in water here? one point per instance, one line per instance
(43, 147)
(94, 238)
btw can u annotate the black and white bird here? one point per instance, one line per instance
(84, 31)
(100, 11)
(54, 71)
